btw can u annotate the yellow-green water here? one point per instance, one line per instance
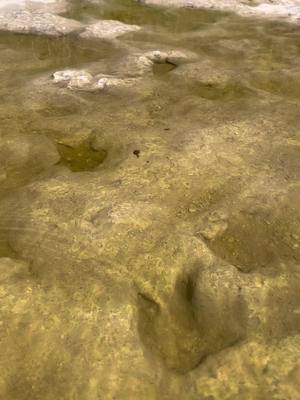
(114, 300)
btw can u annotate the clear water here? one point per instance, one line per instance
(155, 159)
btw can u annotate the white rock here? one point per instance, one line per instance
(140, 64)
(274, 9)
(83, 80)
(289, 11)
(33, 22)
(107, 29)
(130, 70)
(110, 81)
(75, 79)
(53, 6)
(175, 57)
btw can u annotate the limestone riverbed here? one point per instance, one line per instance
(149, 201)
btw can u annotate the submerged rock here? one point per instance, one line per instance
(107, 29)
(204, 72)
(23, 156)
(36, 22)
(106, 81)
(128, 72)
(84, 80)
(213, 225)
(175, 57)
(75, 79)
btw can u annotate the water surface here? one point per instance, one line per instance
(109, 228)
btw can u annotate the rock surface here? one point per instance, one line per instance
(35, 22)
(83, 80)
(40, 17)
(107, 29)
(278, 9)
(75, 79)
(52, 6)
(128, 72)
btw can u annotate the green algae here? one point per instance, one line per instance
(80, 158)
(162, 68)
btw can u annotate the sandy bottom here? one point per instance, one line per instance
(149, 235)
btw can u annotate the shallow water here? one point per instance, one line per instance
(132, 190)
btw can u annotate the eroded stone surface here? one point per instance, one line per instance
(128, 71)
(83, 80)
(77, 79)
(107, 29)
(36, 22)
